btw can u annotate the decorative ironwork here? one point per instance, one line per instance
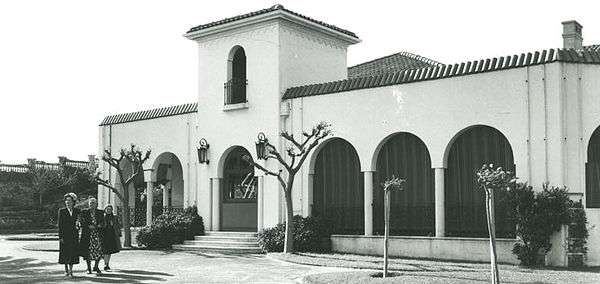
(261, 146)
(235, 91)
(203, 151)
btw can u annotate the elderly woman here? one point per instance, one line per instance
(68, 233)
(91, 226)
(111, 235)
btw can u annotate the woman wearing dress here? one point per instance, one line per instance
(68, 234)
(111, 235)
(91, 226)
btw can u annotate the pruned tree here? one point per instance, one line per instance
(127, 173)
(490, 180)
(391, 184)
(296, 153)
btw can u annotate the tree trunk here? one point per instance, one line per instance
(386, 234)
(289, 224)
(126, 217)
(489, 205)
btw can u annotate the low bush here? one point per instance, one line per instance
(171, 227)
(538, 215)
(311, 234)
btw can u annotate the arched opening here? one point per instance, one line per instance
(169, 181)
(464, 201)
(592, 171)
(235, 87)
(338, 187)
(413, 209)
(239, 193)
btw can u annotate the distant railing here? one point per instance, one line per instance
(235, 91)
(63, 161)
(13, 168)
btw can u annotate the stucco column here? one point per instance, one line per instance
(149, 196)
(309, 194)
(216, 204)
(260, 203)
(165, 196)
(440, 210)
(368, 176)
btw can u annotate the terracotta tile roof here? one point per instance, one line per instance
(265, 11)
(391, 63)
(150, 114)
(445, 71)
(595, 47)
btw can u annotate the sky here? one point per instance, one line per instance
(65, 65)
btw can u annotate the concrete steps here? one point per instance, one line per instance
(222, 242)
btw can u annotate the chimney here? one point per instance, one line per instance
(572, 38)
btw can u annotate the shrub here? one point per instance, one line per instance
(538, 216)
(171, 227)
(311, 234)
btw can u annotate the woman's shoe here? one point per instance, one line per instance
(89, 271)
(106, 268)
(98, 271)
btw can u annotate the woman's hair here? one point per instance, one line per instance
(92, 199)
(108, 205)
(70, 194)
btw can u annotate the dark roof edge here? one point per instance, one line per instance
(265, 11)
(446, 71)
(150, 114)
(403, 53)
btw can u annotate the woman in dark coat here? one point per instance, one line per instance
(111, 235)
(68, 234)
(91, 226)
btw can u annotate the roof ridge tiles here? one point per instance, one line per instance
(586, 55)
(273, 8)
(150, 114)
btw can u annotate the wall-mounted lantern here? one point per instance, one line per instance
(261, 146)
(203, 151)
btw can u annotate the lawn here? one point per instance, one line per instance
(430, 271)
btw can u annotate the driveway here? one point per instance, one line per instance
(19, 265)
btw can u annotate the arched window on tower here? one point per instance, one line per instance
(235, 87)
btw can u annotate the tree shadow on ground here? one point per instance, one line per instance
(30, 270)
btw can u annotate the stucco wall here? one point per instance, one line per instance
(173, 134)
(427, 247)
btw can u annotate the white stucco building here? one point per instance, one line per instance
(537, 113)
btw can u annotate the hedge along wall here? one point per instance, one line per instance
(338, 192)
(465, 203)
(412, 209)
(592, 171)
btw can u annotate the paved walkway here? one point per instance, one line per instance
(18, 265)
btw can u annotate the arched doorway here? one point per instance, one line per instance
(464, 201)
(239, 193)
(338, 187)
(169, 182)
(592, 171)
(413, 209)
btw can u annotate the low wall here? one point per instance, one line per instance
(448, 248)
(593, 242)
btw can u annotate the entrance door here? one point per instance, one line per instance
(239, 193)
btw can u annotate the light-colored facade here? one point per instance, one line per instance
(546, 105)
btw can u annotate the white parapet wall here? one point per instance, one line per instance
(447, 248)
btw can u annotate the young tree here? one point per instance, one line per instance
(127, 173)
(297, 154)
(46, 179)
(389, 185)
(490, 180)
